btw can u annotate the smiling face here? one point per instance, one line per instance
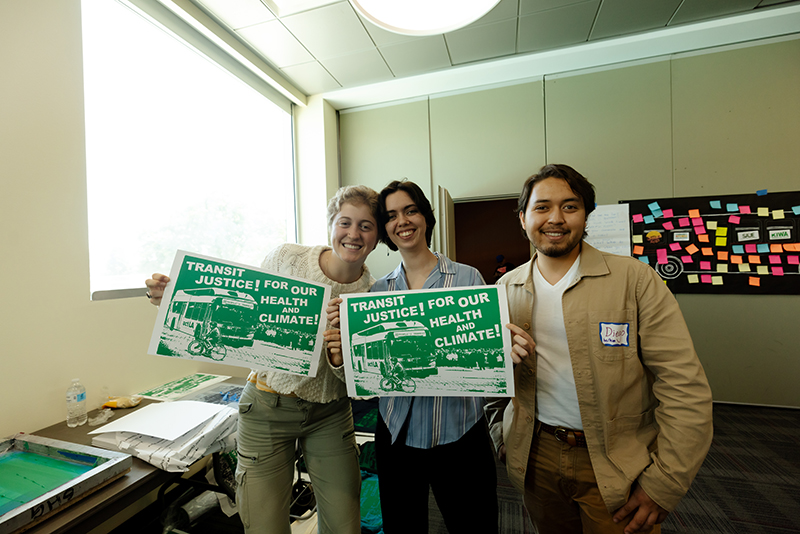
(405, 224)
(354, 233)
(555, 219)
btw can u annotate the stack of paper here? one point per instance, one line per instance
(171, 435)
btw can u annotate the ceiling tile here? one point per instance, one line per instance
(424, 54)
(620, 17)
(383, 37)
(238, 13)
(475, 43)
(311, 78)
(359, 68)
(534, 6)
(505, 9)
(330, 31)
(275, 42)
(694, 10)
(556, 27)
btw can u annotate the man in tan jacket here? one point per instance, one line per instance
(612, 415)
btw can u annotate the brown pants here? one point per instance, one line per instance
(561, 492)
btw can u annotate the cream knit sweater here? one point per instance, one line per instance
(303, 262)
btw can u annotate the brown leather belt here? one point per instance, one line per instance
(573, 438)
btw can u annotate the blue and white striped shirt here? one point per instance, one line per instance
(431, 420)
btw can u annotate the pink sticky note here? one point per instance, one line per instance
(705, 278)
(661, 254)
(705, 265)
(684, 221)
(667, 213)
(637, 218)
(668, 225)
(775, 260)
(744, 209)
(700, 229)
(674, 246)
(793, 260)
(697, 221)
(777, 271)
(734, 219)
(687, 259)
(750, 249)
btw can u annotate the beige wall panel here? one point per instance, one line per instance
(737, 126)
(50, 329)
(384, 144)
(614, 127)
(737, 120)
(487, 142)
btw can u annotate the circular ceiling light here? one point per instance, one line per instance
(422, 17)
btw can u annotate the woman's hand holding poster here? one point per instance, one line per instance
(443, 342)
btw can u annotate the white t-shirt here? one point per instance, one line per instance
(556, 396)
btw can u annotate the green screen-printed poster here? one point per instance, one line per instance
(216, 310)
(443, 342)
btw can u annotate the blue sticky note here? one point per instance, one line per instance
(716, 204)
(658, 213)
(644, 259)
(762, 248)
(761, 192)
(738, 249)
(732, 207)
(796, 210)
(654, 206)
(649, 219)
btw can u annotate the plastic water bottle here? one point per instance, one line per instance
(76, 404)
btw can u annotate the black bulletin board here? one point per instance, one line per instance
(744, 244)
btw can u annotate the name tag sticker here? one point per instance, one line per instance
(614, 334)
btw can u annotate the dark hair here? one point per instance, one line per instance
(417, 197)
(575, 180)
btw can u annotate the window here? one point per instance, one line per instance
(180, 154)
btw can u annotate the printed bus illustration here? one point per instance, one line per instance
(405, 342)
(234, 311)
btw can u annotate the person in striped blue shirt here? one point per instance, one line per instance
(436, 443)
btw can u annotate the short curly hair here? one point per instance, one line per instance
(358, 195)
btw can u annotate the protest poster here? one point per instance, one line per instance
(239, 315)
(442, 342)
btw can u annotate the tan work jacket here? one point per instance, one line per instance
(644, 399)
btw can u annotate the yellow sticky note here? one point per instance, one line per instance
(763, 212)
(777, 214)
(744, 267)
(722, 231)
(692, 278)
(638, 239)
(722, 241)
(711, 225)
(722, 267)
(762, 269)
(716, 280)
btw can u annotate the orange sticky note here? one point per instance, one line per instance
(722, 255)
(707, 251)
(753, 259)
(776, 247)
(691, 249)
(736, 259)
(694, 214)
(703, 238)
(755, 281)
(638, 250)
